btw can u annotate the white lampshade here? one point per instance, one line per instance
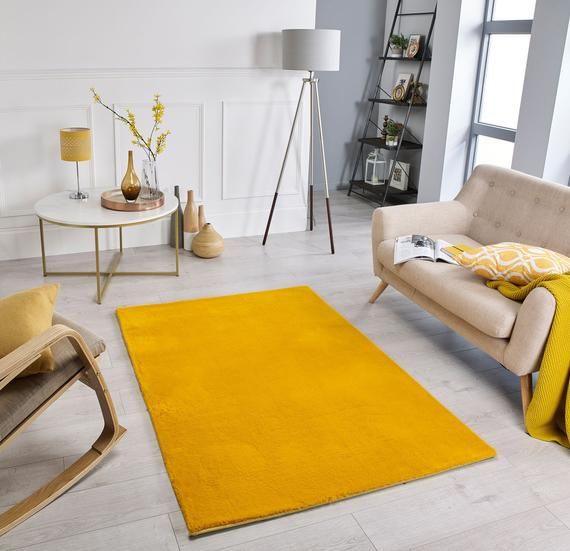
(311, 49)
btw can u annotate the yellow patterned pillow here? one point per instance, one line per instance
(514, 262)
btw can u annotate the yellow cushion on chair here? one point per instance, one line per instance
(25, 315)
(513, 262)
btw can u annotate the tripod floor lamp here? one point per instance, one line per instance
(309, 50)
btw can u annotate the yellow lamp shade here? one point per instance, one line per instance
(75, 144)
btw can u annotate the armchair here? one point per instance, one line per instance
(22, 400)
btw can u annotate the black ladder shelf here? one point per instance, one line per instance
(378, 193)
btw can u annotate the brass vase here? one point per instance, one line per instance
(131, 185)
(208, 243)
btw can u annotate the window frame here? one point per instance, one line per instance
(490, 27)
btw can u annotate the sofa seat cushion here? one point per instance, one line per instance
(457, 289)
(22, 396)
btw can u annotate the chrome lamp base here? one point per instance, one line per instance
(79, 195)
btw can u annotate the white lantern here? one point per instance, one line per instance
(375, 170)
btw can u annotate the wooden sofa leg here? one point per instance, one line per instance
(110, 435)
(379, 290)
(526, 391)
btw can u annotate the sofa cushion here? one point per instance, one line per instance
(22, 396)
(458, 290)
(520, 264)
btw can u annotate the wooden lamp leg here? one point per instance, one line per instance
(526, 391)
(379, 290)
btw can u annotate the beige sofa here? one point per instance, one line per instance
(495, 205)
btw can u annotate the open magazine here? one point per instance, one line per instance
(422, 247)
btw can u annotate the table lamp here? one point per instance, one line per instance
(75, 145)
(309, 50)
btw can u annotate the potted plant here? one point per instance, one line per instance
(393, 131)
(398, 45)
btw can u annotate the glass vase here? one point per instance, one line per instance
(149, 180)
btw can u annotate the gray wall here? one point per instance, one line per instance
(343, 94)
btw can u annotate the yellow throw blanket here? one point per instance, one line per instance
(548, 415)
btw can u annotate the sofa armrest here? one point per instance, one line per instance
(423, 218)
(530, 333)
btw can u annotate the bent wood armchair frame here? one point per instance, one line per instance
(13, 364)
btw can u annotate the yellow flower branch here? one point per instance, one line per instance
(130, 121)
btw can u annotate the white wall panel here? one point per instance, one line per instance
(254, 142)
(183, 161)
(31, 166)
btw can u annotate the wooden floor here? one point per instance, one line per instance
(520, 500)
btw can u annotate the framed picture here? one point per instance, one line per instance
(402, 87)
(414, 45)
(401, 175)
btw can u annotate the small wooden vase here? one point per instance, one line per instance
(191, 226)
(201, 216)
(208, 243)
(131, 185)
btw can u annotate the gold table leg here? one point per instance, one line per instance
(112, 269)
(97, 267)
(43, 245)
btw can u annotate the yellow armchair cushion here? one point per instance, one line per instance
(513, 262)
(25, 315)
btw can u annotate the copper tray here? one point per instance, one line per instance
(114, 200)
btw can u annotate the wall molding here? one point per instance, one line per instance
(146, 72)
(119, 154)
(227, 195)
(89, 122)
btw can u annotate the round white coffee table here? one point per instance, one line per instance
(59, 209)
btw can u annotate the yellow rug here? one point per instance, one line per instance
(267, 403)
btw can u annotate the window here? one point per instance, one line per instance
(502, 65)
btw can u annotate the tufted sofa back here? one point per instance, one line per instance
(507, 205)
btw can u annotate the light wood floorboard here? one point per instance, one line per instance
(520, 500)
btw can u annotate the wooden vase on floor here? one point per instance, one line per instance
(180, 223)
(201, 217)
(208, 243)
(131, 185)
(191, 227)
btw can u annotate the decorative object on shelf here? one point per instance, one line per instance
(309, 50)
(383, 132)
(75, 145)
(414, 45)
(375, 171)
(131, 185)
(400, 175)
(398, 44)
(419, 93)
(402, 88)
(114, 199)
(173, 223)
(208, 243)
(201, 216)
(393, 131)
(191, 227)
(152, 149)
